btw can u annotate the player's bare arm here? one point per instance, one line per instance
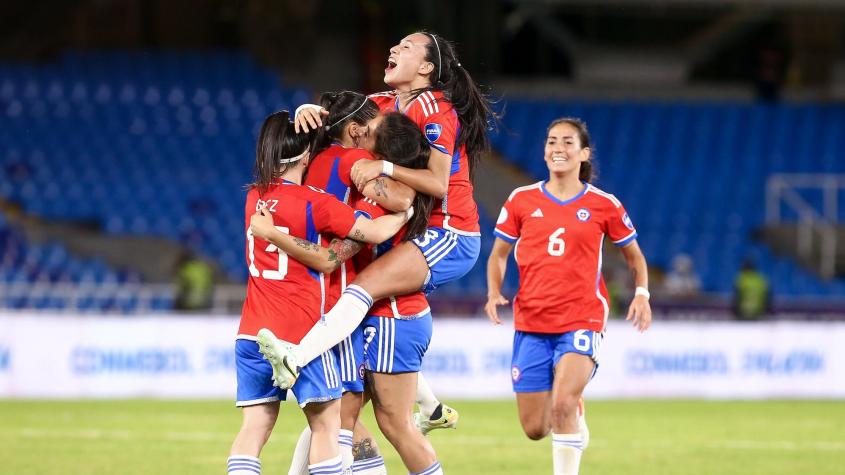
(640, 310)
(389, 193)
(433, 181)
(497, 264)
(376, 231)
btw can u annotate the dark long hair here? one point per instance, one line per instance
(585, 173)
(276, 141)
(473, 107)
(399, 140)
(344, 107)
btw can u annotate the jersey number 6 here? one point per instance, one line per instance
(281, 271)
(556, 243)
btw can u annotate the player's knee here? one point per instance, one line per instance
(536, 431)
(393, 425)
(565, 406)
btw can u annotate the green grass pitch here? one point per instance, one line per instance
(628, 437)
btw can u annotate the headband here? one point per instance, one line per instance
(328, 127)
(294, 159)
(439, 58)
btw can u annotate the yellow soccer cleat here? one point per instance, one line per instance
(280, 355)
(448, 420)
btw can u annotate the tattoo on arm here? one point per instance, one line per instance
(364, 450)
(308, 245)
(358, 235)
(380, 187)
(341, 250)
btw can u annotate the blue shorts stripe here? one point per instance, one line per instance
(441, 242)
(435, 258)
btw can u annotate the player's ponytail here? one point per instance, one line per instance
(278, 149)
(586, 173)
(344, 107)
(399, 140)
(473, 107)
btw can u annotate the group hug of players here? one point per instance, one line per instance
(362, 206)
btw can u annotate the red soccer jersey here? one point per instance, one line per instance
(439, 122)
(282, 294)
(403, 306)
(559, 254)
(331, 170)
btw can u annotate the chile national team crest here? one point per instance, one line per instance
(515, 374)
(433, 131)
(583, 214)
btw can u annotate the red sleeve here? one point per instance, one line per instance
(332, 216)
(441, 130)
(619, 226)
(386, 101)
(509, 224)
(344, 168)
(368, 208)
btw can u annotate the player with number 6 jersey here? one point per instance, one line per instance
(556, 229)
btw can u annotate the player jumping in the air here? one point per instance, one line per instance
(438, 94)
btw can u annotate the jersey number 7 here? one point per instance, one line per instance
(282, 269)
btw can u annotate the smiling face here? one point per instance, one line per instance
(406, 64)
(563, 151)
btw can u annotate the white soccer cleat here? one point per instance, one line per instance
(280, 355)
(448, 420)
(582, 425)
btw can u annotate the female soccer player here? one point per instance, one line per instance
(438, 94)
(285, 296)
(349, 129)
(398, 329)
(560, 311)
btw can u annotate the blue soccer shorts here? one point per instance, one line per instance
(535, 356)
(449, 255)
(349, 354)
(393, 345)
(319, 380)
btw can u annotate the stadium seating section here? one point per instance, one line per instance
(162, 144)
(692, 175)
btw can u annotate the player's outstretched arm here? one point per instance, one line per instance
(376, 231)
(321, 259)
(640, 310)
(497, 264)
(433, 181)
(389, 193)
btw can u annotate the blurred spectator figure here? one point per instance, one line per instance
(752, 296)
(682, 281)
(769, 72)
(194, 283)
